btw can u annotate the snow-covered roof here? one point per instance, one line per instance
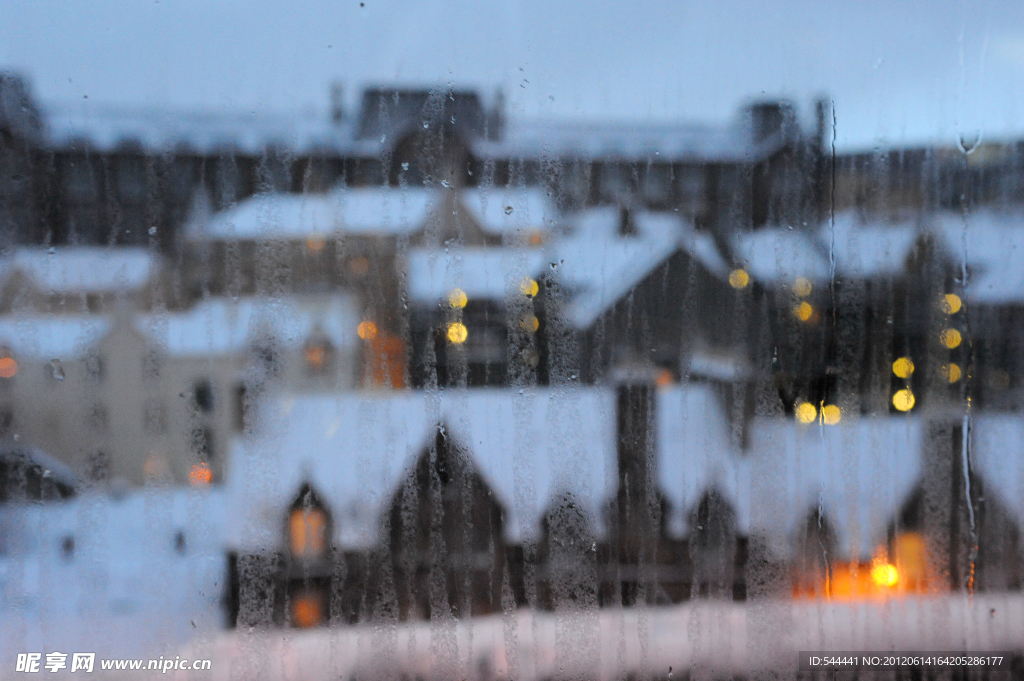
(997, 453)
(599, 266)
(506, 209)
(779, 255)
(375, 210)
(221, 326)
(355, 449)
(693, 454)
(106, 129)
(253, 132)
(83, 269)
(481, 272)
(993, 246)
(665, 142)
(51, 337)
(860, 471)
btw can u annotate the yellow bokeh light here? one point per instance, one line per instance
(457, 298)
(904, 399)
(529, 287)
(951, 303)
(8, 367)
(885, 574)
(530, 323)
(739, 278)
(802, 286)
(367, 330)
(805, 412)
(950, 338)
(803, 311)
(831, 414)
(951, 372)
(903, 367)
(457, 332)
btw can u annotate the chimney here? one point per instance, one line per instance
(496, 117)
(337, 104)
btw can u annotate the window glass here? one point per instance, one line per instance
(523, 340)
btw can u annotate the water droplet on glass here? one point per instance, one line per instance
(51, 250)
(425, 125)
(508, 210)
(446, 184)
(382, 138)
(405, 165)
(57, 369)
(152, 231)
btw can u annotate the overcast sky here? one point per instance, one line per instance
(899, 72)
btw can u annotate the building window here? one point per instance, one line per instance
(319, 356)
(154, 417)
(202, 393)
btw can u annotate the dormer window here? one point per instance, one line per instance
(318, 354)
(308, 527)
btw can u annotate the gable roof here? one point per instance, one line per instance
(356, 448)
(598, 266)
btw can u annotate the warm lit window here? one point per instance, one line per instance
(307, 532)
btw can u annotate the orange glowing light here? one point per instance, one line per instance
(739, 278)
(536, 238)
(307, 532)
(306, 611)
(315, 244)
(529, 287)
(664, 378)
(831, 414)
(316, 356)
(803, 311)
(200, 474)
(530, 323)
(8, 367)
(367, 330)
(457, 333)
(806, 412)
(885, 574)
(904, 400)
(951, 338)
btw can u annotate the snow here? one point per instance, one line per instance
(531, 208)
(51, 337)
(993, 246)
(363, 211)
(125, 589)
(251, 133)
(220, 326)
(598, 266)
(860, 472)
(490, 273)
(84, 269)
(355, 449)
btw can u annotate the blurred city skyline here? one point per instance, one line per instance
(914, 74)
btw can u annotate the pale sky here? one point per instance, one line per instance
(899, 72)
